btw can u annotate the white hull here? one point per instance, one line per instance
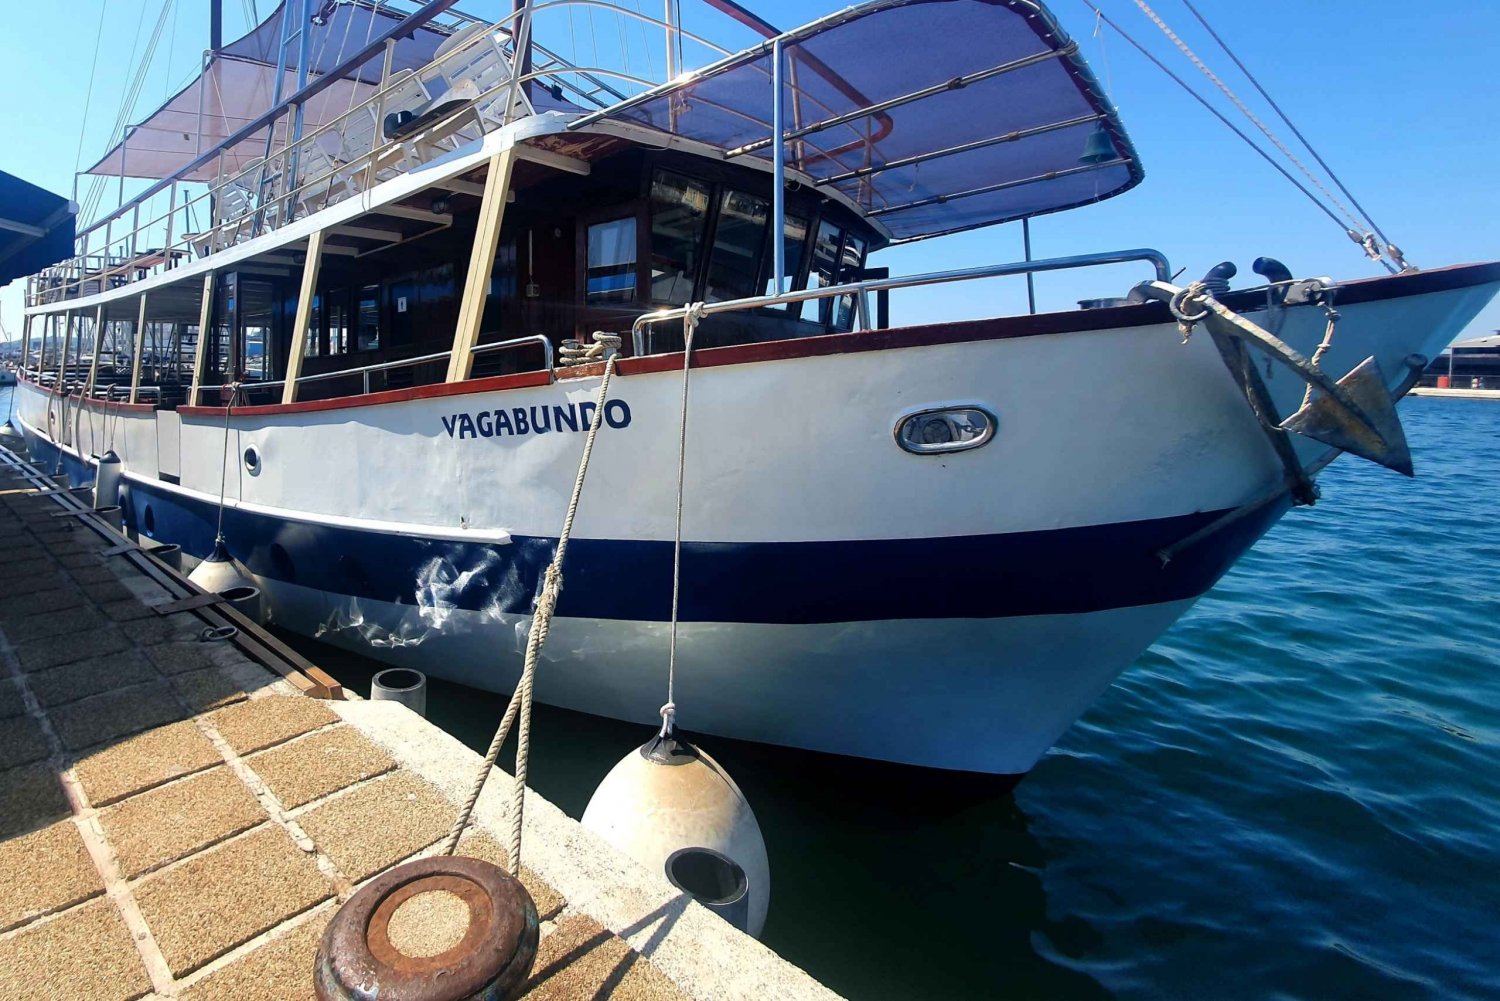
(840, 594)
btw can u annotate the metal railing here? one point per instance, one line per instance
(1155, 258)
(272, 191)
(365, 371)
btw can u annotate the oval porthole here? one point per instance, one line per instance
(252, 460)
(950, 429)
(148, 521)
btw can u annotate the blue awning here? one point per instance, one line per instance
(36, 228)
(931, 116)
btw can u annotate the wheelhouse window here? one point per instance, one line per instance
(793, 239)
(679, 223)
(837, 258)
(611, 261)
(311, 345)
(739, 239)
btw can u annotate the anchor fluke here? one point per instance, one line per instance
(1372, 431)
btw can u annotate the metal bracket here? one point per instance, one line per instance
(124, 547)
(189, 603)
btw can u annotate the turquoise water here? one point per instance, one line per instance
(1295, 793)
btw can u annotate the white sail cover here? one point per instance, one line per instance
(239, 85)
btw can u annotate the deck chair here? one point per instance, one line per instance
(321, 181)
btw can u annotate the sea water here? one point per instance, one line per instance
(1294, 793)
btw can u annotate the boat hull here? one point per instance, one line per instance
(957, 611)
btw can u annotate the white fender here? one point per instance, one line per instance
(669, 806)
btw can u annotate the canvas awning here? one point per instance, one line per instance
(240, 81)
(36, 228)
(933, 116)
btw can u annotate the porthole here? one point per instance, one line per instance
(148, 521)
(950, 429)
(252, 460)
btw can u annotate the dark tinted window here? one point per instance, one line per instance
(739, 240)
(679, 218)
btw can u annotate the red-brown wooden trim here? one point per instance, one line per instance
(520, 380)
(102, 405)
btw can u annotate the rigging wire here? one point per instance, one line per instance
(133, 92)
(1219, 115)
(1283, 115)
(88, 100)
(1355, 224)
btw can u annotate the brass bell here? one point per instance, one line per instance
(1099, 149)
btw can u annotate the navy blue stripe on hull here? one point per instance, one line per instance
(1032, 573)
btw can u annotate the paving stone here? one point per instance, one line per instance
(228, 894)
(581, 958)
(67, 620)
(180, 657)
(150, 630)
(306, 769)
(11, 703)
(19, 551)
(145, 760)
(40, 568)
(32, 796)
(21, 741)
(280, 970)
(379, 824)
(115, 714)
(125, 611)
(19, 606)
(38, 655)
(105, 592)
(79, 680)
(93, 573)
(163, 825)
(45, 871)
(481, 846)
(85, 955)
(250, 726)
(210, 689)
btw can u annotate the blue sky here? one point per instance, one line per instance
(1399, 96)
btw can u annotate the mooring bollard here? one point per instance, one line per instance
(403, 685)
(111, 513)
(169, 553)
(245, 598)
(437, 929)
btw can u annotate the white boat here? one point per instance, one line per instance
(934, 544)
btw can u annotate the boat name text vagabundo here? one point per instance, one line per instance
(518, 421)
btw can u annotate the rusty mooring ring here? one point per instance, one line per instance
(492, 961)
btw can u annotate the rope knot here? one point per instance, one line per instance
(668, 719)
(1178, 304)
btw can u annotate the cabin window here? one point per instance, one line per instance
(611, 257)
(825, 265)
(338, 322)
(739, 239)
(794, 239)
(850, 268)
(369, 318)
(679, 221)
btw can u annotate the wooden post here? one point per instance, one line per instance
(304, 316)
(140, 349)
(200, 350)
(88, 388)
(481, 263)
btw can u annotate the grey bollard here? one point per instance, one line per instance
(245, 598)
(403, 685)
(111, 513)
(169, 553)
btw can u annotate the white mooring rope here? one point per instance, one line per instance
(541, 621)
(690, 320)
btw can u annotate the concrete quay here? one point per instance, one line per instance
(180, 821)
